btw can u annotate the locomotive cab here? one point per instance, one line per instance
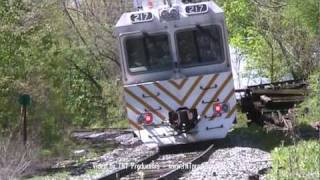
(175, 68)
(155, 47)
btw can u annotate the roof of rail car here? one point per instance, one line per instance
(125, 20)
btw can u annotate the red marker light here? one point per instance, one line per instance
(148, 118)
(218, 108)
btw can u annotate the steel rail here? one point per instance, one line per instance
(176, 173)
(130, 169)
(206, 149)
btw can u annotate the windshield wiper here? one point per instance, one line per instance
(206, 31)
(146, 36)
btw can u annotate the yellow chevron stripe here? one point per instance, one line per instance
(136, 111)
(178, 86)
(231, 93)
(217, 94)
(212, 80)
(144, 104)
(168, 93)
(191, 89)
(232, 111)
(135, 125)
(156, 98)
(180, 102)
(227, 98)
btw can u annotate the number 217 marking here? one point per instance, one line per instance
(196, 9)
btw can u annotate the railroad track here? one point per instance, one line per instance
(168, 163)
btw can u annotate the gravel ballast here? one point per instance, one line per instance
(233, 163)
(119, 158)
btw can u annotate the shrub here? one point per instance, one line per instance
(15, 157)
(309, 110)
(300, 161)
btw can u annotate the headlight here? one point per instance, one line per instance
(174, 13)
(169, 14)
(164, 14)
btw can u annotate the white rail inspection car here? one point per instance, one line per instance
(176, 71)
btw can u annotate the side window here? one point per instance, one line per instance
(200, 46)
(148, 53)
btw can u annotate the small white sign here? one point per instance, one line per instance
(196, 9)
(141, 17)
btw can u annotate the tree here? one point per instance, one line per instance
(52, 53)
(277, 37)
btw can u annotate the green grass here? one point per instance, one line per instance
(241, 121)
(290, 161)
(55, 176)
(300, 161)
(120, 124)
(64, 151)
(116, 124)
(255, 136)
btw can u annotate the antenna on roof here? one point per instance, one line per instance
(165, 2)
(137, 4)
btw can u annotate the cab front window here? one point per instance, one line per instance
(200, 46)
(148, 53)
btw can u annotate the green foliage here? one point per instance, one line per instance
(278, 38)
(309, 110)
(301, 161)
(255, 135)
(71, 81)
(49, 132)
(306, 13)
(65, 58)
(60, 175)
